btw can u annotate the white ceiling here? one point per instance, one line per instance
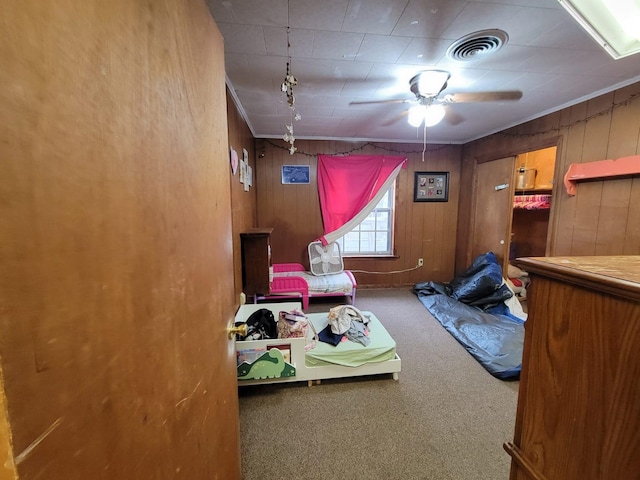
(360, 50)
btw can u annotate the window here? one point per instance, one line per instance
(374, 235)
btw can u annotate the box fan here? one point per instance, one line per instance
(325, 259)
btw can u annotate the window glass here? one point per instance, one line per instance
(374, 235)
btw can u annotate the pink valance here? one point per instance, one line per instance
(349, 185)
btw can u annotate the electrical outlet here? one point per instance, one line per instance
(420, 262)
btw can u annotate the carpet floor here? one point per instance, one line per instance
(446, 418)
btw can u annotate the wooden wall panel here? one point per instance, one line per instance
(632, 231)
(587, 212)
(603, 217)
(619, 194)
(243, 203)
(562, 232)
(465, 212)
(423, 230)
(116, 261)
(292, 210)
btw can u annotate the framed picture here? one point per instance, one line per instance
(431, 187)
(295, 174)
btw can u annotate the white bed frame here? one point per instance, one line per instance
(305, 373)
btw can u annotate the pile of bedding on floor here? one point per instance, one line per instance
(481, 313)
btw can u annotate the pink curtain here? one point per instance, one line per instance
(347, 185)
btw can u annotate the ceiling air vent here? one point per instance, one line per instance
(477, 45)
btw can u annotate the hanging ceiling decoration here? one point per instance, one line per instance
(287, 87)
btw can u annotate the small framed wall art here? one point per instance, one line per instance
(431, 187)
(295, 174)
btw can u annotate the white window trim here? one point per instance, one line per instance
(391, 231)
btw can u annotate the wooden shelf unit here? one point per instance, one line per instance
(602, 169)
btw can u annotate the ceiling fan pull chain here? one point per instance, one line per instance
(424, 140)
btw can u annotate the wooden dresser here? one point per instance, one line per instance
(256, 261)
(578, 415)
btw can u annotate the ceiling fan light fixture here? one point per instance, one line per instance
(416, 115)
(431, 82)
(433, 115)
(429, 114)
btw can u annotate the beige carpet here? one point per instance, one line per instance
(445, 418)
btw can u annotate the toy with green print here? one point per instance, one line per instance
(270, 364)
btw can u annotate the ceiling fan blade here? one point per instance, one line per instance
(395, 118)
(453, 118)
(483, 96)
(397, 100)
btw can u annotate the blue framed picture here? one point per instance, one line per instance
(295, 174)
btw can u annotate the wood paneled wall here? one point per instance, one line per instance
(243, 203)
(116, 252)
(423, 230)
(603, 218)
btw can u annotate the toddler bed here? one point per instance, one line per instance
(347, 359)
(291, 280)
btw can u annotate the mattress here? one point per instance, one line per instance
(334, 283)
(351, 354)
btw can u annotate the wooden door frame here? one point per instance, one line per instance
(535, 144)
(557, 185)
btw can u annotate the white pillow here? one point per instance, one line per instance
(515, 272)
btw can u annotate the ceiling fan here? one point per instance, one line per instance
(427, 87)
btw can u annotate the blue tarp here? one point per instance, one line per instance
(471, 308)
